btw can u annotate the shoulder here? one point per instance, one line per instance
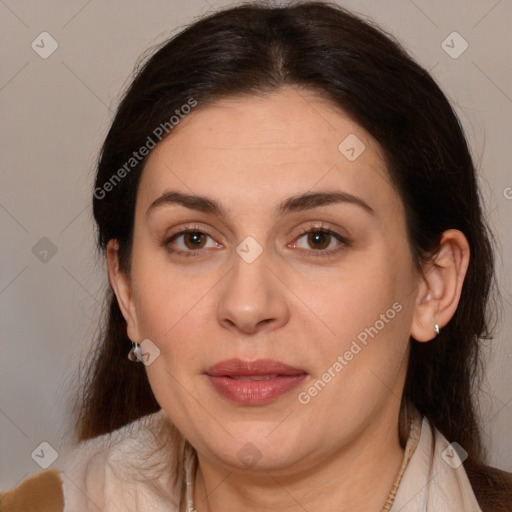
(492, 487)
(102, 469)
(120, 467)
(41, 492)
(437, 474)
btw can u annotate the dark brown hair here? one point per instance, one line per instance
(253, 49)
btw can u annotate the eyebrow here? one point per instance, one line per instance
(301, 202)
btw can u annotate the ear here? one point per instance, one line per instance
(441, 285)
(121, 285)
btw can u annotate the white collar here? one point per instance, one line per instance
(435, 479)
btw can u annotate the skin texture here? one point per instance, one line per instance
(290, 304)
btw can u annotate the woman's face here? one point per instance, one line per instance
(297, 253)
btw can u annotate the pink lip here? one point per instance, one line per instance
(255, 392)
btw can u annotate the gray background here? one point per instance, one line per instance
(55, 113)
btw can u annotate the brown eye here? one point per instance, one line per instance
(319, 239)
(194, 240)
(190, 242)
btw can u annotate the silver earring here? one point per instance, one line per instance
(135, 352)
(436, 329)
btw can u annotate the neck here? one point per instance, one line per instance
(339, 482)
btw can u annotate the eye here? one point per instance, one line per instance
(317, 240)
(190, 242)
(320, 241)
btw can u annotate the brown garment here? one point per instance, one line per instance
(38, 493)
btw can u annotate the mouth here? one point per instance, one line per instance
(252, 377)
(254, 382)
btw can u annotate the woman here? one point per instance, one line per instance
(299, 262)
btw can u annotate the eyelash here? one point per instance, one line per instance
(312, 228)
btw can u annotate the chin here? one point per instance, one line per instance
(258, 448)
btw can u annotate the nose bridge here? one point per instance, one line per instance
(252, 298)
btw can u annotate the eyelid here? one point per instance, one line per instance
(320, 226)
(190, 227)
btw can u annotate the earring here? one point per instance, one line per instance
(135, 352)
(436, 329)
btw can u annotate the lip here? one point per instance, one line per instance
(282, 378)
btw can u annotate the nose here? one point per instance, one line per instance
(253, 298)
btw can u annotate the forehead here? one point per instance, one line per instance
(262, 148)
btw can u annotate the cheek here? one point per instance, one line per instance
(160, 293)
(355, 297)
(367, 307)
(172, 308)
